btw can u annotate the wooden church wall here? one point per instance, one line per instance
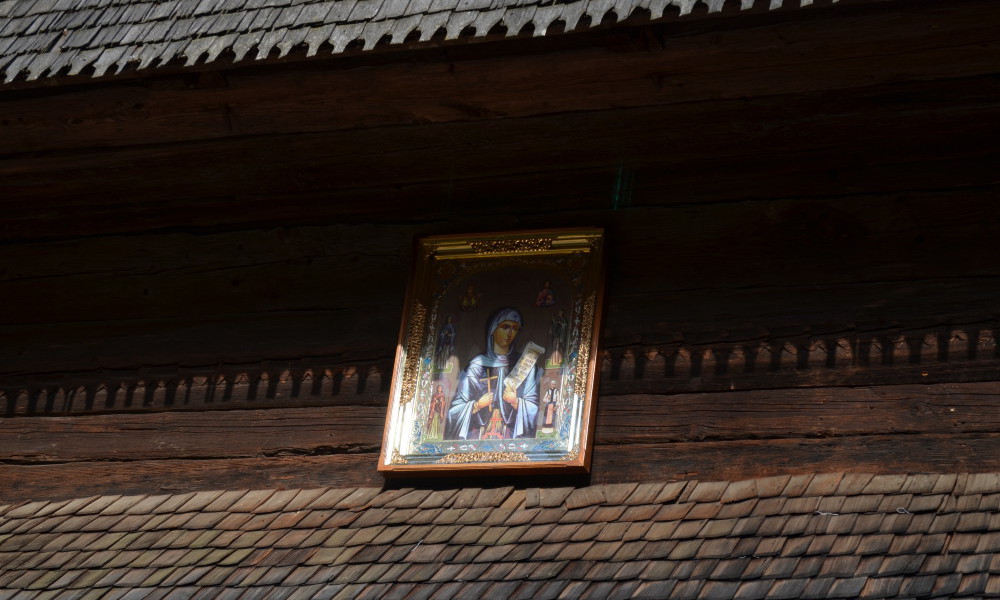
(203, 274)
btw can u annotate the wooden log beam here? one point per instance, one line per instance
(883, 121)
(700, 321)
(920, 173)
(790, 413)
(19, 482)
(621, 421)
(663, 64)
(708, 461)
(750, 459)
(193, 435)
(702, 274)
(847, 242)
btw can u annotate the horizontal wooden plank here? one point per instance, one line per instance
(650, 65)
(621, 421)
(19, 482)
(720, 319)
(682, 61)
(194, 435)
(692, 274)
(844, 243)
(889, 118)
(845, 239)
(778, 311)
(224, 274)
(915, 173)
(733, 461)
(708, 461)
(815, 412)
(244, 338)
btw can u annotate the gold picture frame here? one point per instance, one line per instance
(496, 362)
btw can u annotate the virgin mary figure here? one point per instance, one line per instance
(483, 407)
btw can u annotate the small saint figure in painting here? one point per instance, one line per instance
(446, 343)
(470, 299)
(546, 297)
(557, 337)
(436, 414)
(549, 402)
(484, 405)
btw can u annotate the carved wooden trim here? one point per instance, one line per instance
(967, 353)
(246, 386)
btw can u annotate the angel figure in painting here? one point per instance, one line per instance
(470, 299)
(484, 406)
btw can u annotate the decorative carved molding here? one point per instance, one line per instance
(484, 457)
(411, 360)
(511, 245)
(156, 389)
(968, 353)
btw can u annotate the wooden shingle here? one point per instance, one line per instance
(670, 492)
(708, 491)
(290, 551)
(583, 497)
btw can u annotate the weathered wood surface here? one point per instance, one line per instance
(945, 355)
(737, 460)
(682, 61)
(921, 170)
(730, 460)
(193, 435)
(816, 412)
(887, 118)
(801, 213)
(716, 275)
(847, 243)
(621, 420)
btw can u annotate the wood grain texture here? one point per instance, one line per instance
(872, 122)
(800, 361)
(916, 171)
(740, 460)
(807, 413)
(202, 275)
(709, 461)
(621, 421)
(668, 63)
(193, 435)
(714, 274)
(171, 476)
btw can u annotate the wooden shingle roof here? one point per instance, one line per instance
(822, 536)
(44, 38)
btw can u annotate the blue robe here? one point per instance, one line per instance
(483, 373)
(487, 372)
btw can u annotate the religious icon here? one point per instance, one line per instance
(507, 380)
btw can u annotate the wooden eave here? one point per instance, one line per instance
(60, 41)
